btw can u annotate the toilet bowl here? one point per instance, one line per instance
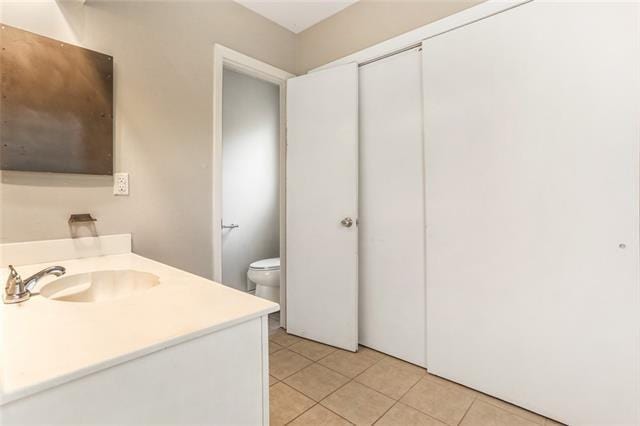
(265, 274)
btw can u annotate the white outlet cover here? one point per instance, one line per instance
(121, 183)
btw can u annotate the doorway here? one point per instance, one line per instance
(250, 181)
(249, 173)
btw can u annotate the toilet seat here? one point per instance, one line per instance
(272, 264)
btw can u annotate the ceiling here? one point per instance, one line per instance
(296, 15)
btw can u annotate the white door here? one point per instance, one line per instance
(322, 206)
(532, 172)
(392, 287)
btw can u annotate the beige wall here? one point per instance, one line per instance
(163, 109)
(366, 23)
(163, 121)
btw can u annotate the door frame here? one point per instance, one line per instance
(223, 57)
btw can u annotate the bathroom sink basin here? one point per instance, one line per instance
(99, 286)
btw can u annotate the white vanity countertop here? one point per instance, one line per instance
(45, 342)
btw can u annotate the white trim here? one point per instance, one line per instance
(265, 369)
(446, 24)
(225, 57)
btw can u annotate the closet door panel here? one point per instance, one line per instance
(532, 172)
(391, 239)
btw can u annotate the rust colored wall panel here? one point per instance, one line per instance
(56, 105)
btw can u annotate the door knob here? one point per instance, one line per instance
(347, 222)
(232, 226)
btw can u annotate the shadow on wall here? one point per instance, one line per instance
(23, 221)
(26, 200)
(74, 15)
(55, 180)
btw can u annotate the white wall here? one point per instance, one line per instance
(250, 145)
(163, 58)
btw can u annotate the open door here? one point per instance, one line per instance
(322, 206)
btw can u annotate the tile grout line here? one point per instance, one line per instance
(488, 401)
(396, 401)
(352, 380)
(334, 391)
(334, 349)
(313, 360)
(425, 377)
(297, 371)
(475, 398)
(478, 396)
(294, 419)
(306, 366)
(390, 397)
(362, 372)
(346, 420)
(317, 362)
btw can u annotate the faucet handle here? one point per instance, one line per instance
(14, 291)
(14, 275)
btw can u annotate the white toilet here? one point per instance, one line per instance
(265, 274)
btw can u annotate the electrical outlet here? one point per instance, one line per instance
(121, 184)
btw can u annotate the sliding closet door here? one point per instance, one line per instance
(322, 206)
(392, 207)
(532, 148)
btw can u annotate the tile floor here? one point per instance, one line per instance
(315, 384)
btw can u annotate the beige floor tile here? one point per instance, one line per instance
(482, 413)
(312, 350)
(282, 338)
(533, 417)
(391, 377)
(351, 364)
(437, 400)
(358, 403)
(316, 381)
(453, 385)
(272, 380)
(371, 353)
(403, 415)
(320, 416)
(284, 363)
(285, 404)
(274, 347)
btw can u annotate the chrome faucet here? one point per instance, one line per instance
(18, 290)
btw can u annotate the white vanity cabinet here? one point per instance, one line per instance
(185, 351)
(219, 378)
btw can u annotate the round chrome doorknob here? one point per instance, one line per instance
(347, 221)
